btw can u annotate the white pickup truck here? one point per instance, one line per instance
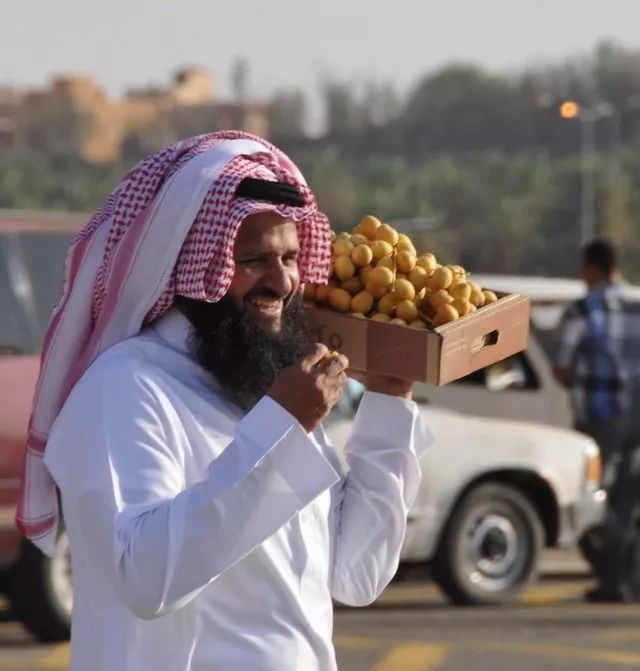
(493, 493)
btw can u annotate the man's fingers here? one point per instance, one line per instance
(336, 365)
(339, 389)
(313, 355)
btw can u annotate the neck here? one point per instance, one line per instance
(594, 278)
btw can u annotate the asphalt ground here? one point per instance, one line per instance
(551, 629)
(413, 628)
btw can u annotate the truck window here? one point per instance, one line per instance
(512, 373)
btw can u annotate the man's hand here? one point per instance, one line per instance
(310, 388)
(384, 384)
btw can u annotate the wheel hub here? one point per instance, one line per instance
(492, 549)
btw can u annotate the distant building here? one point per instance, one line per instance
(75, 111)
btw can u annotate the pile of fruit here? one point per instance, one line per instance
(376, 273)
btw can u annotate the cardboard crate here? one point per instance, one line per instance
(441, 355)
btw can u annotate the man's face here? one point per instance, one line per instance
(259, 327)
(266, 276)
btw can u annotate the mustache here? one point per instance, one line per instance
(269, 294)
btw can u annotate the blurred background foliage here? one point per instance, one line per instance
(479, 166)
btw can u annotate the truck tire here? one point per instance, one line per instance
(490, 548)
(40, 591)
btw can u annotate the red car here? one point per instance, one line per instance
(32, 251)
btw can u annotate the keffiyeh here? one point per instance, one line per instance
(169, 228)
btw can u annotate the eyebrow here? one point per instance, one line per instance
(261, 253)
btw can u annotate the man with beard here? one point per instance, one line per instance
(178, 414)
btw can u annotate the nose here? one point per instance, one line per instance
(279, 278)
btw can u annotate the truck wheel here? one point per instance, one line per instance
(490, 548)
(40, 591)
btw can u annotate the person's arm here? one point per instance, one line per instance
(568, 336)
(370, 505)
(158, 541)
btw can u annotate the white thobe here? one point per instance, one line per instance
(204, 539)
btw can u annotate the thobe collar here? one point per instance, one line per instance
(174, 328)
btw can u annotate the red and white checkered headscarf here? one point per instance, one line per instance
(169, 228)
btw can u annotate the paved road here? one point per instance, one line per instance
(412, 628)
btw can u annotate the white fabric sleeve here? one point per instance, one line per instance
(370, 505)
(157, 540)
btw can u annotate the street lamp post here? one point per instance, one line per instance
(588, 199)
(587, 117)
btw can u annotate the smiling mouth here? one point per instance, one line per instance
(266, 308)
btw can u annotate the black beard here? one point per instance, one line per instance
(244, 357)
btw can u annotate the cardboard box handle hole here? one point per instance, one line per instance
(487, 340)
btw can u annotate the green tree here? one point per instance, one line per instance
(288, 114)
(342, 112)
(461, 107)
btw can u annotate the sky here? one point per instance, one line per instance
(295, 43)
